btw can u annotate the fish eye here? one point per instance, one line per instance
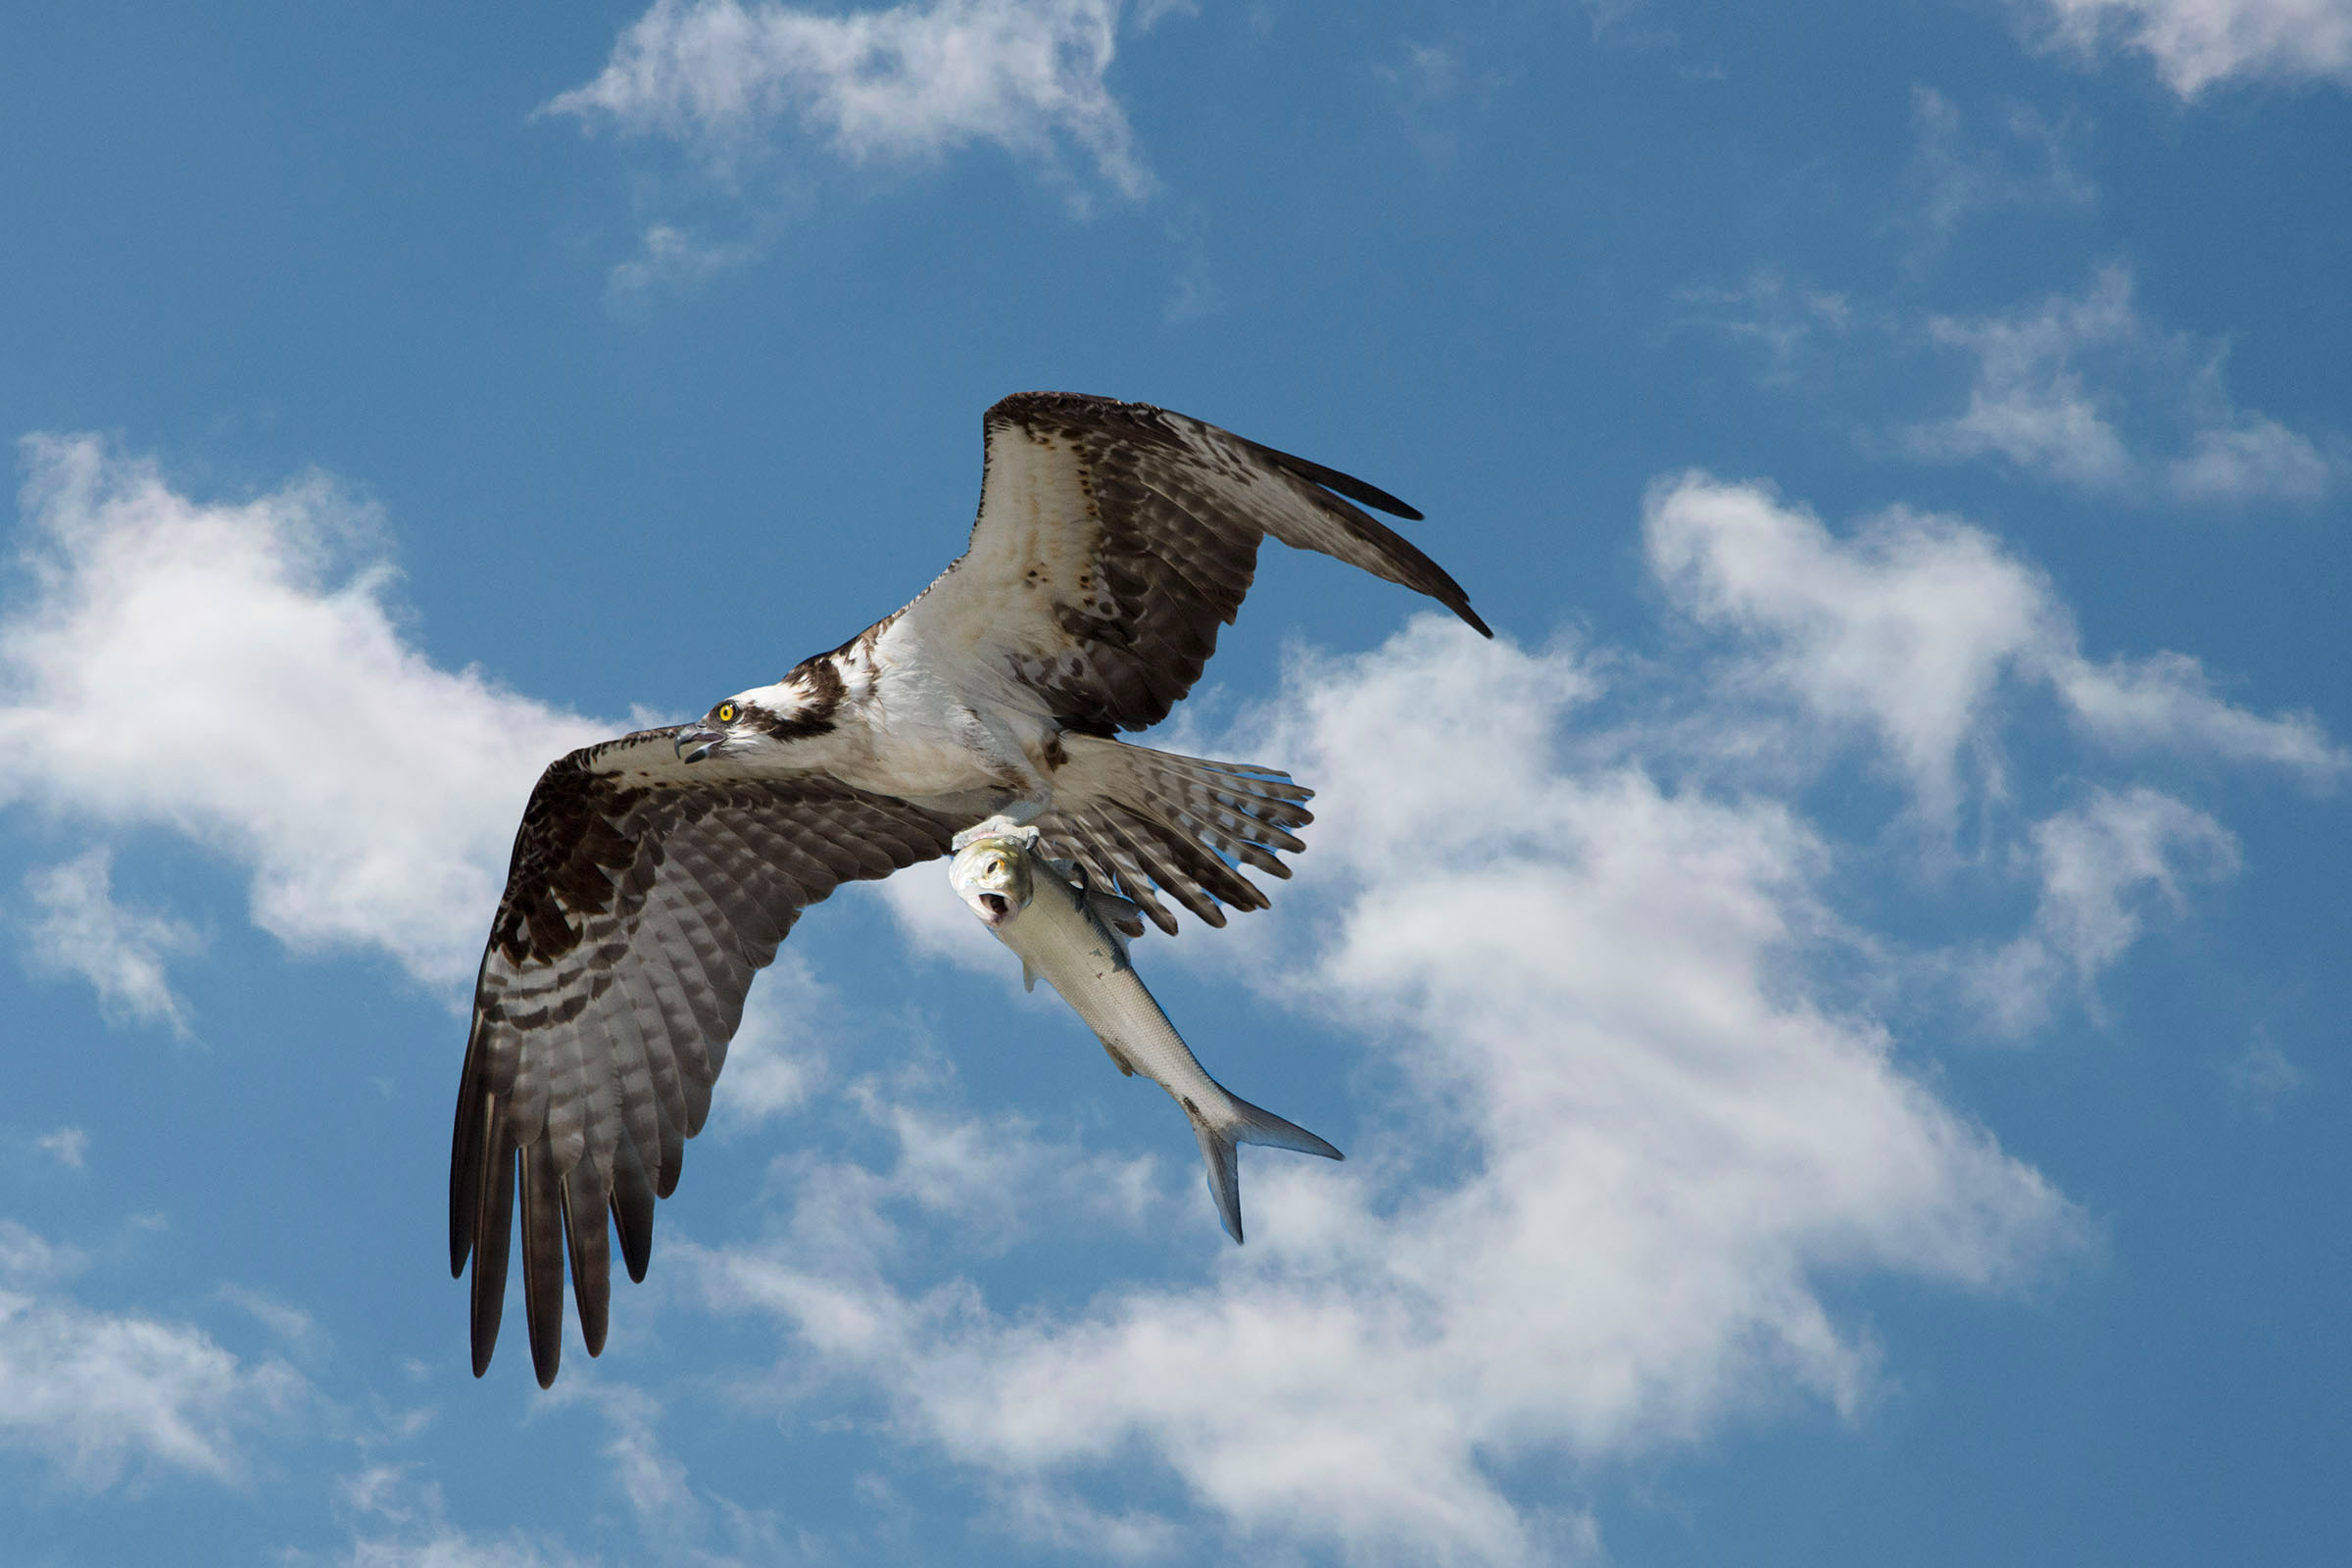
(724, 712)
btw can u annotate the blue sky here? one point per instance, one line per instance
(1836, 1015)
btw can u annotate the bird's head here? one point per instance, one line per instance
(735, 728)
(798, 708)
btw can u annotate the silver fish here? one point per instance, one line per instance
(1070, 935)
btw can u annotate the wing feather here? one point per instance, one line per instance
(633, 1209)
(1114, 540)
(1135, 817)
(585, 1202)
(643, 896)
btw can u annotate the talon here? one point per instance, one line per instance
(1002, 825)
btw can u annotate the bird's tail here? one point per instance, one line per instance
(1143, 819)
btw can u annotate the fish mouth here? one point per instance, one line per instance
(994, 907)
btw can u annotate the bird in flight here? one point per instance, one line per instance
(655, 873)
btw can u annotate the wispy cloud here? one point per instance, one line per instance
(399, 1518)
(2099, 864)
(79, 929)
(2075, 389)
(69, 1147)
(2195, 44)
(371, 796)
(909, 83)
(668, 254)
(1963, 170)
(2054, 384)
(2262, 1075)
(96, 1394)
(2031, 402)
(1787, 324)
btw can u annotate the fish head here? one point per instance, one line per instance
(992, 875)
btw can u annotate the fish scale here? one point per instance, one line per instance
(1065, 935)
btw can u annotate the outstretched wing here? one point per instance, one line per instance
(643, 896)
(1115, 538)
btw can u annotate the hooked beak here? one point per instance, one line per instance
(694, 743)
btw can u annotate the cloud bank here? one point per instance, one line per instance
(1596, 987)
(371, 796)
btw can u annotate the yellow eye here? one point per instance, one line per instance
(726, 713)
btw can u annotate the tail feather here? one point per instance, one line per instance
(1245, 1123)
(1139, 819)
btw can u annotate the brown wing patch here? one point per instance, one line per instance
(1163, 515)
(642, 898)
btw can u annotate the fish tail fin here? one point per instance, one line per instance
(1245, 1123)
(1217, 1151)
(1254, 1126)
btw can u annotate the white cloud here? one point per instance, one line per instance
(95, 1392)
(777, 1056)
(2062, 390)
(2196, 43)
(1906, 629)
(1594, 988)
(2021, 162)
(2166, 702)
(910, 82)
(668, 254)
(67, 1145)
(2098, 863)
(2251, 456)
(1632, 1125)
(456, 1550)
(2031, 402)
(2081, 390)
(372, 795)
(420, 1533)
(1785, 322)
(1910, 628)
(289, 1324)
(81, 930)
(27, 1257)
(2263, 1074)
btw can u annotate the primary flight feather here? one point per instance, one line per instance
(654, 874)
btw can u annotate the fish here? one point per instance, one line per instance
(1076, 938)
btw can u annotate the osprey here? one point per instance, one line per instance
(654, 874)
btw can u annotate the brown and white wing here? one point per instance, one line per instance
(643, 895)
(1115, 539)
